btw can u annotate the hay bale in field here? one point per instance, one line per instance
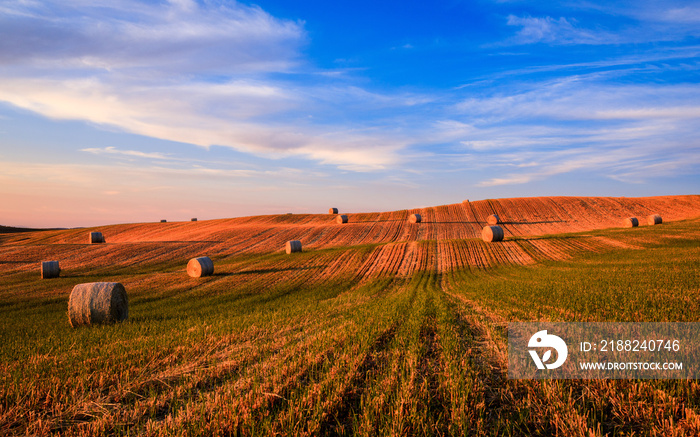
(333, 211)
(414, 218)
(493, 219)
(630, 222)
(96, 237)
(193, 219)
(164, 221)
(292, 246)
(50, 269)
(202, 266)
(97, 302)
(654, 219)
(341, 219)
(492, 233)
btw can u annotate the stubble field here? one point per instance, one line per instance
(379, 327)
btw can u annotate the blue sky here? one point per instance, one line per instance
(129, 111)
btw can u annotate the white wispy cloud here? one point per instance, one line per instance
(181, 36)
(670, 18)
(118, 177)
(129, 153)
(626, 164)
(644, 21)
(585, 97)
(555, 31)
(687, 14)
(630, 132)
(241, 116)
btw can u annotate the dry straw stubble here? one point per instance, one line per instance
(202, 266)
(97, 302)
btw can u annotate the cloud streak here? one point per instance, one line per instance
(555, 31)
(630, 132)
(178, 36)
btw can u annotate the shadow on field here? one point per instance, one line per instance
(153, 318)
(450, 223)
(163, 242)
(374, 221)
(13, 230)
(544, 222)
(264, 271)
(552, 237)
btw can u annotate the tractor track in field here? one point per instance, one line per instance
(338, 419)
(479, 327)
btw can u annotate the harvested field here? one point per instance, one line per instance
(377, 327)
(523, 217)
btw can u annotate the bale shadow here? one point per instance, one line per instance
(375, 221)
(552, 237)
(169, 242)
(451, 223)
(152, 318)
(264, 271)
(531, 223)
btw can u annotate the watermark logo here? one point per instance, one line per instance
(543, 340)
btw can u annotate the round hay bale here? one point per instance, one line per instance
(50, 269)
(292, 246)
(96, 237)
(654, 219)
(630, 222)
(202, 266)
(193, 219)
(333, 211)
(164, 221)
(414, 218)
(465, 201)
(493, 219)
(97, 302)
(492, 233)
(341, 219)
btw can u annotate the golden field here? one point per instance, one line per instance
(379, 327)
